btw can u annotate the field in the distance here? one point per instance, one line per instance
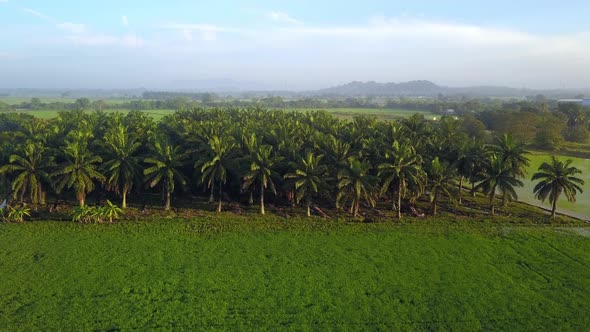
(236, 273)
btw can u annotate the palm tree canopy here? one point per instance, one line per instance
(557, 177)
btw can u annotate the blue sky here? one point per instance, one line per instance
(293, 44)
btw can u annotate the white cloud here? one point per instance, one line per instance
(3, 1)
(125, 20)
(206, 32)
(281, 17)
(97, 40)
(39, 15)
(73, 27)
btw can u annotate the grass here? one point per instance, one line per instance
(48, 114)
(582, 205)
(236, 273)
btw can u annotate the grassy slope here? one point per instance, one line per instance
(580, 207)
(227, 274)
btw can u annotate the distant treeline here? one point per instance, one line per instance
(182, 101)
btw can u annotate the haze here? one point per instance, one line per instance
(298, 45)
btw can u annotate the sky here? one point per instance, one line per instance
(295, 45)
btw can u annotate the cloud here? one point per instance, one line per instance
(206, 32)
(125, 20)
(39, 15)
(72, 27)
(281, 17)
(98, 40)
(3, 1)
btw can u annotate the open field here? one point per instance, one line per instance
(18, 100)
(48, 114)
(582, 205)
(234, 272)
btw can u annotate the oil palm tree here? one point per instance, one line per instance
(30, 166)
(469, 163)
(122, 170)
(512, 153)
(441, 181)
(310, 177)
(215, 168)
(402, 169)
(79, 171)
(261, 171)
(498, 176)
(164, 168)
(556, 178)
(355, 184)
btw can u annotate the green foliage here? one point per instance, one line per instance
(556, 178)
(15, 214)
(96, 214)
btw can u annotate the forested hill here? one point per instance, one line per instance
(430, 89)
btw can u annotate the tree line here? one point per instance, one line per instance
(246, 155)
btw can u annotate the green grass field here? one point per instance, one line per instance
(582, 205)
(48, 114)
(239, 273)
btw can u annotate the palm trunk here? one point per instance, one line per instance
(167, 206)
(472, 189)
(251, 199)
(554, 207)
(492, 196)
(261, 199)
(211, 198)
(220, 194)
(124, 202)
(461, 190)
(399, 201)
(309, 208)
(81, 198)
(434, 205)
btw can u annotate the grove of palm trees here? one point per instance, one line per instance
(257, 157)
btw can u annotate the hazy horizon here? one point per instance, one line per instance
(293, 46)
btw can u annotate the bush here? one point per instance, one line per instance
(15, 214)
(96, 214)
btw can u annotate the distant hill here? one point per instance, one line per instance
(429, 89)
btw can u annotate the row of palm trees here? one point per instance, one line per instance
(309, 158)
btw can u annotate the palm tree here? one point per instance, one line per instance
(79, 171)
(469, 163)
(122, 168)
(498, 176)
(262, 171)
(355, 184)
(215, 169)
(111, 211)
(403, 169)
(309, 177)
(164, 167)
(442, 182)
(512, 153)
(557, 177)
(30, 165)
